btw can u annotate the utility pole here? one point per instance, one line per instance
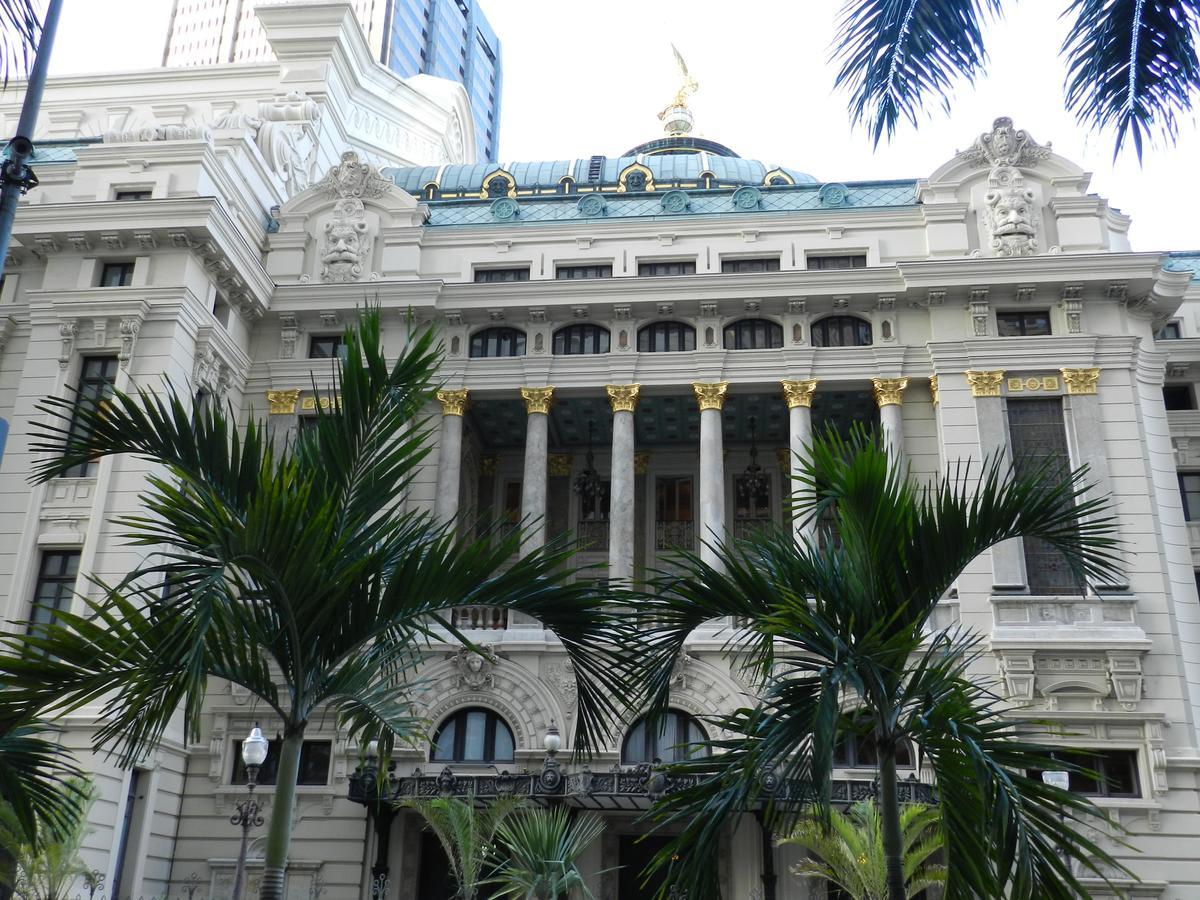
(15, 176)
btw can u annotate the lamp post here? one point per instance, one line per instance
(249, 814)
(1060, 779)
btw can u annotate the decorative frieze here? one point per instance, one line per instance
(1081, 381)
(454, 403)
(984, 382)
(799, 393)
(710, 396)
(537, 400)
(1020, 384)
(623, 397)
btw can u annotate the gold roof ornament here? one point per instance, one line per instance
(677, 117)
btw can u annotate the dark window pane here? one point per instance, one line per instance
(837, 261)
(498, 342)
(314, 763)
(473, 735)
(743, 266)
(498, 276)
(676, 267)
(568, 273)
(325, 346)
(116, 274)
(575, 340)
(1110, 773)
(753, 334)
(666, 337)
(1022, 324)
(1179, 396)
(132, 195)
(1172, 331)
(1039, 440)
(1189, 487)
(54, 587)
(841, 331)
(97, 376)
(678, 736)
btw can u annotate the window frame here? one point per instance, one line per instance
(597, 336)
(825, 257)
(104, 390)
(671, 328)
(269, 771)
(1183, 494)
(338, 346)
(843, 320)
(1083, 756)
(1175, 325)
(492, 721)
(850, 753)
(773, 331)
(63, 585)
(494, 274)
(124, 266)
(132, 194)
(603, 270)
(499, 333)
(746, 265)
(1003, 315)
(649, 268)
(652, 749)
(1187, 389)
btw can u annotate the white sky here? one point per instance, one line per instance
(584, 78)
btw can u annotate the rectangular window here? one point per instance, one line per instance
(116, 274)
(673, 513)
(314, 763)
(744, 266)
(1179, 396)
(1038, 436)
(500, 276)
(132, 195)
(55, 585)
(1189, 487)
(96, 380)
(570, 273)
(326, 346)
(1111, 773)
(837, 261)
(1172, 331)
(668, 267)
(1023, 324)
(593, 518)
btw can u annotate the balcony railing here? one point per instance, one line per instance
(593, 534)
(479, 617)
(744, 527)
(674, 536)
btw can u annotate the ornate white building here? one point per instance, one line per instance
(659, 329)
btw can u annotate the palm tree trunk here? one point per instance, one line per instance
(889, 814)
(279, 833)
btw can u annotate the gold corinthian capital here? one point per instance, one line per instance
(798, 393)
(1081, 381)
(710, 396)
(454, 403)
(889, 391)
(537, 400)
(623, 397)
(985, 383)
(282, 403)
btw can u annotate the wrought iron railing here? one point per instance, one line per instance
(593, 534)
(674, 536)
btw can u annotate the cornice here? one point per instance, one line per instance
(1034, 353)
(47, 307)
(1058, 267)
(421, 294)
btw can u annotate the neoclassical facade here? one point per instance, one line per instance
(636, 348)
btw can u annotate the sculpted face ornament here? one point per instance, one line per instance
(1011, 214)
(347, 244)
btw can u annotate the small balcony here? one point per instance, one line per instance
(479, 618)
(680, 535)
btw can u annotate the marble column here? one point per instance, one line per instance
(621, 494)
(449, 474)
(711, 398)
(533, 485)
(799, 397)
(889, 396)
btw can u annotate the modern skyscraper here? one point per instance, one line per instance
(449, 39)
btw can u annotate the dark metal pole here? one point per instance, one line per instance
(380, 872)
(16, 177)
(769, 878)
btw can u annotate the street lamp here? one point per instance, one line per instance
(249, 814)
(1061, 779)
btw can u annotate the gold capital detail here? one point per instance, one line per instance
(623, 397)
(641, 462)
(487, 464)
(783, 455)
(282, 403)
(558, 465)
(798, 393)
(454, 403)
(985, 383)
(710, 396)
(933, 389)
(889, 391)
(1081, 381)
(537, 400)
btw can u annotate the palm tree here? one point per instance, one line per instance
(1132, 67)
(293, 571)
(20, 27)
(838, 632)
(466, 835)
(48, 868)
(538, 851)
(849, 849)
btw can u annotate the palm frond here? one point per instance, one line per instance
(896, 56)
(465, 833)
(537, 853)
(39, 779)
(1132, 66)
(20, 31)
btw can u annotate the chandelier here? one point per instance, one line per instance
(587, 483)
(754, 481)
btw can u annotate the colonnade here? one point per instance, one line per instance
(623, 399)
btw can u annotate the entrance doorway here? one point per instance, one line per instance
(634, 854)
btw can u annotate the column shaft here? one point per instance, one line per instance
(711, 398)
(449, 475)
(621, 495)
(533, 484)
(798, 395)
(889, 395)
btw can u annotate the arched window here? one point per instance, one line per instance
(858, 752)
(497, 342)
(666, 337)
(840, 331)
(677, 737)
(753, 334)
(574, 340)
(473, 735)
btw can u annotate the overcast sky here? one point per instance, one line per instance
(584, 78)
